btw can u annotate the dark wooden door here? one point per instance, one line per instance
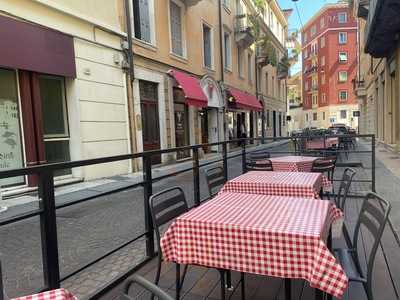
(150, 118)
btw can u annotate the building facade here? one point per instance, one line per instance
(63, 89)
(329, 50)
(377, 85)
(295, 103)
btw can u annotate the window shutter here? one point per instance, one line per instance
(144, 20)
(176, 29)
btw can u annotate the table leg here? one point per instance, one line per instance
(229, 280)
(243, 286)
(178, 281)
(319, 295)
(222, 275)
(288, 288)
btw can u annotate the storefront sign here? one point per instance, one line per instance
(10, 140)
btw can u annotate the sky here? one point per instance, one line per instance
(307, 8)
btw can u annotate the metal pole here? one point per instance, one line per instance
(244, 155)
(196, 177)
(373, 163)
(148, 191)
(225, 160)
(48, 225)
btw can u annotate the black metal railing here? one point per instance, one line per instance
(48, 206)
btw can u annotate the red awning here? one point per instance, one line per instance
(191, 87)
(245, 100)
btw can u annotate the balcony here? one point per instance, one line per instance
(244, 36)
(266, 54)
(382, 28)
(191, 2)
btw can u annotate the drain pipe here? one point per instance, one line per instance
(130, 79)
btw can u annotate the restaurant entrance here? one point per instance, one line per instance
(181, 114)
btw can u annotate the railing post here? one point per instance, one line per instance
(148, 191)
(373, 163)
(48, 227)
(225, 160)
(196, 176)
(244, 156)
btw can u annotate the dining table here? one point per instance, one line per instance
(322, 143)
(295, 184)
(267, 235)
(57, 294)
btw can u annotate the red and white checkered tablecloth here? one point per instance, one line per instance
(292, 184)
(321, 144)
(292, 163)
(267, 235)
(59, 294)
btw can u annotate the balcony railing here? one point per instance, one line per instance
(243, 32)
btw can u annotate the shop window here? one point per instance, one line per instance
(343, 114)
(11, 156)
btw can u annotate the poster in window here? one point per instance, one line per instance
(10, 140)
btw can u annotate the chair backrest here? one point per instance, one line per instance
(258, 165)
(259, 155)
(166, 206)
(373, 216)
(138, 287)
(215, 180)
(344, 187)
(323, 165)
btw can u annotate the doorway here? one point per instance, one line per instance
(280, 124)
(181, 114)
(150, 118)
(204, 130)
(274, 123)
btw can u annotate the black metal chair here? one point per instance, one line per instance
(259, 155)
(373, 216)
(164, 207)
(145, 290)
(258, 165)
(215, 180)
(341, 197)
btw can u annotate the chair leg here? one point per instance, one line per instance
(288, 289)
(158, 273)
(229, 280)
(183, 275)
(222, 275)
(178, 282)
(243, 286)
(319, 295)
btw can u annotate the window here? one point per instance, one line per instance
(322, 60)
(323, 99)
(313, 30)
(305, 37)
(249, 67)
(240, 61)
(315, 116)
(323, 115)
(323, 78)
(322, 23)
(227, 51)
(266, 83)
(343, 96)
(315, 100)
(142, 20)
(176, 27)
(207, 46)
(342, 76)
(342, 17)
(10, 131)
(323, 42)
(342, 57)
(273, 86)
(343, 114)
(306, 117)
(342, 37)
(314, 48)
